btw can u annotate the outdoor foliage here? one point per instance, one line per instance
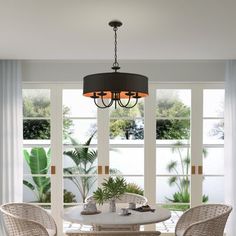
(36, 129)
(218, 130)
(39, 162)
(170, 107)
(39, 106)
(126, 128)
(181, 170)
(112, 188)
(68, 197)
(134, 188)
(84, 159)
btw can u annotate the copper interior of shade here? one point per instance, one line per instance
(108, 94)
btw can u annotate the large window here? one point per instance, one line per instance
(70, 146)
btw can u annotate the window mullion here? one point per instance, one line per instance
(196, 143)
(103, 141)
(150, 146)
(56, 156)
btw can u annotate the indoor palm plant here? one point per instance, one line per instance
(112, 189)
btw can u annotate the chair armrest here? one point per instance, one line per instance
(18, 226)
(186, 220)
(214, 226)
(204, 217)
(42, 217)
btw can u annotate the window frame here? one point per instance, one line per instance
(103, 138)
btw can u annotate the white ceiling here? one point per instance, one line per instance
(153, 29)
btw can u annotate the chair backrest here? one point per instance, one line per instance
(208, 218)
(115, 233)
(27, 219)
(209, 211)
(127, 198)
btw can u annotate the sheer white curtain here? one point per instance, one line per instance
(11, 162)
(230, 143)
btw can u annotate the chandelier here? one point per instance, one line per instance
(118, 88)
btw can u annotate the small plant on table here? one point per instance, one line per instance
(112, 189)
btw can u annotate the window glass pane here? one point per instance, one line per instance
(213, 131)
(213, 189)
(173, 115)
(213, 161)
(80, 160)
(173, 189)
(37, 189)
(175, 160)
(36, 129)
(76, 105)
(213, 103)
(82, 131)
(124, 129)
(37, 160)
(137, 111)
(78, 188)
(172, 129)
(127, 161)
(173, 103)
(36, 103)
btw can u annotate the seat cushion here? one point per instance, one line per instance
(51, 232)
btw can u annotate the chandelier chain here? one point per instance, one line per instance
(115, 64)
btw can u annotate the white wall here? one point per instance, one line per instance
(157, 71)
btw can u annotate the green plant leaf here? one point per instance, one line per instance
(99, 196)
(172, 180)
(29, 185)
(171, 166)
(26, 156)
(38, 161)
(112, 188)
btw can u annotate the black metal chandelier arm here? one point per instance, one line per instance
(136, 101)
(104, 104)
(102, 107)
(127, 103)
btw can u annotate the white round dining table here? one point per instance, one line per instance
(109, 219)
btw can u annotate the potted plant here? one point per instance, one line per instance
(112, 189)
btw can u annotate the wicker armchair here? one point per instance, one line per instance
(115, 233)
(126, 198)
(22, 219)
(204, 220)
